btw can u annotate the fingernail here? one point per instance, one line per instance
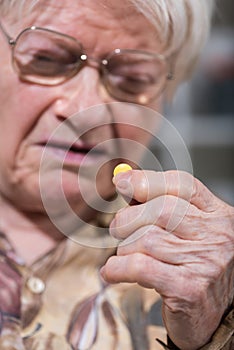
(102, 272)
(122, 179)
(122, 185)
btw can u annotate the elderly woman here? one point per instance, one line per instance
(58, 58)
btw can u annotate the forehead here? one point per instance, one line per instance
(92, 21)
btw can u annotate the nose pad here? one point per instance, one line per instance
(83, 101)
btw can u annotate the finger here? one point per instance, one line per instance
(163, 246)
(173, 214)
(146, 185)
(141, 269)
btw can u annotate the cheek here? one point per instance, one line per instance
(21, 107)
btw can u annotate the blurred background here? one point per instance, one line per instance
(203, 110)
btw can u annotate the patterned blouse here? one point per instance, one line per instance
(66, 306)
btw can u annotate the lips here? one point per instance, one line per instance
(75, 148)
(74, 153)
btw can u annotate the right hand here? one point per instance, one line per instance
(179, 241)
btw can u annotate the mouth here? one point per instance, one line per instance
(74, 148)
(75, 153)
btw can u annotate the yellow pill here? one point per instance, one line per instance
(121, 168)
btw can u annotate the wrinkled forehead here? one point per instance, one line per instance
(118, 17)
(118, 9)
(122, 10)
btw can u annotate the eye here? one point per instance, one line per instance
(43, 58)
(132, 84)
(131, 74)
(39, 62)
(46, 62)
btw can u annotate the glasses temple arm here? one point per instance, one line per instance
(7, 36)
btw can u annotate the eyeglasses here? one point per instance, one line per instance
(46, 57)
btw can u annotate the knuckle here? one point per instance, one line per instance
(147, 243)
(196, 186)
(215, 266)
(125, 217)
(148, 240)
(180, 183)
(169, 206)
(117, 225)
(142, 269)
(110, 269)
(114, 232)
(142, 184)
(137, 264)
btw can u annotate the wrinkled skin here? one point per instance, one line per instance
(178, 240)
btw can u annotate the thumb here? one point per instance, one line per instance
(144, 185)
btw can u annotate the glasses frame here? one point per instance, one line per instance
(86, 60)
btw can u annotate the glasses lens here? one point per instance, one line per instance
(135, 76)
(46, 57)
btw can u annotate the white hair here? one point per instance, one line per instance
(7, 6)
(183, 25)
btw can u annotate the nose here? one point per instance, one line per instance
(80, 93)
